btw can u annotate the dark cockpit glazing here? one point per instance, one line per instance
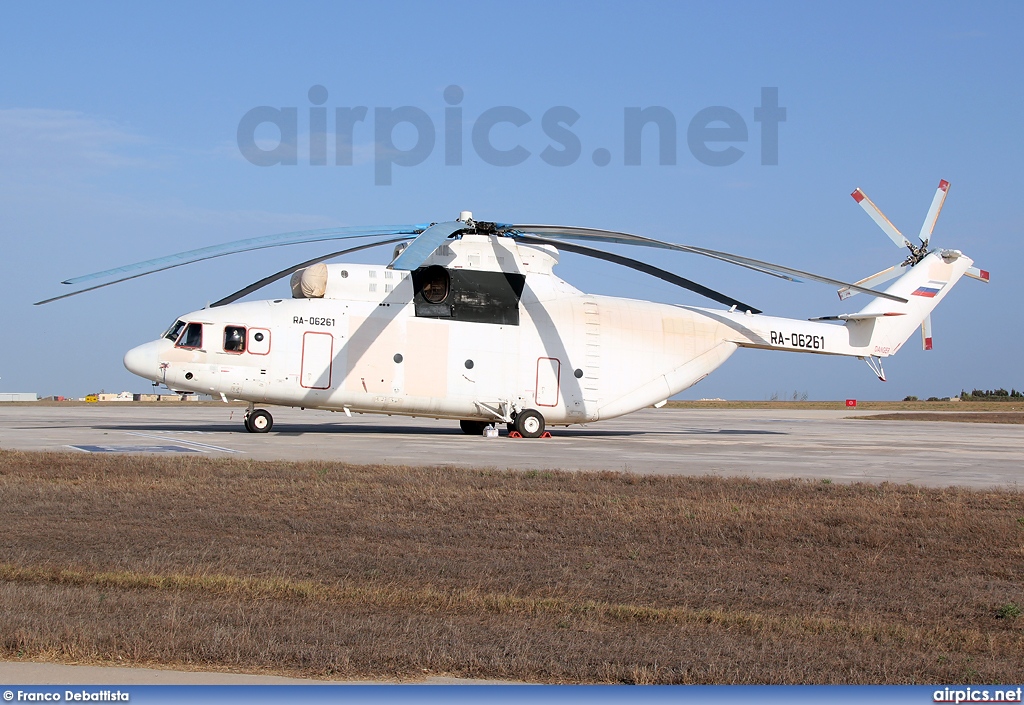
(174, 331)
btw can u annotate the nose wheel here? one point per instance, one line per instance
(258, 421)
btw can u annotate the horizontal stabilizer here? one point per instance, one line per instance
(979, 274)
(857, 316)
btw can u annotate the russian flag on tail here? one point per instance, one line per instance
(929, 290)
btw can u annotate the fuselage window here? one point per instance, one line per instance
(192, 337)
(234, 339)
(174, 331)
(436, 285)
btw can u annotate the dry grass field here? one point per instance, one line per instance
(338, 571)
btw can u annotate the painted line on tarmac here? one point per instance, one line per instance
(201, 446)
(104, 448)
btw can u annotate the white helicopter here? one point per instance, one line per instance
(469, 322)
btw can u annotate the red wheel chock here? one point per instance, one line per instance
(515, 434)
(546, 434)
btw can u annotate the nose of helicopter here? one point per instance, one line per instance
(144, 360)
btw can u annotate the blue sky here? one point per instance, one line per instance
(118, 142)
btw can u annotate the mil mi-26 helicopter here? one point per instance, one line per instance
(469, 322)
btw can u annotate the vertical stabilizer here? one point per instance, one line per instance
(924, 285)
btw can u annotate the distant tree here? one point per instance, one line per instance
(991, 395)
(910, 398)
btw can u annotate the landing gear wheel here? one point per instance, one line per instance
(529, 423)
(259, 421)
(473, 428)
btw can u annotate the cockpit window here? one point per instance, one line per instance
(192, 337)
(234, 339)
(174, 331)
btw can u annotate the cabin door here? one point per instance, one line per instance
(548, 369)
(317, 359)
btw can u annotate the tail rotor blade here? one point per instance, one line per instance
(876, 215)
(926, 332)
(933, 212)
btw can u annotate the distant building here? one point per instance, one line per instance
(18, 396)
(129, 396)
(158, 397)
(123, 396)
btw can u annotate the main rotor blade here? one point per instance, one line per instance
(424, 245)
(883, 276)
(641, 267)
(748, 262)
(172, 261)
(933, 212)
(256, 286)
(594, 234)
(91, 288)
(254, 243)
(876, 215)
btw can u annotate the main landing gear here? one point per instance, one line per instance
(258, 421)
(528, 423)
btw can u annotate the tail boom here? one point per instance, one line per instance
(878, 330)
